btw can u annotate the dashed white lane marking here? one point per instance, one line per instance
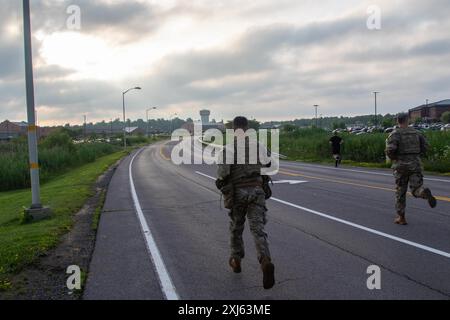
(299, 165)
(165, 281)
(357, 226)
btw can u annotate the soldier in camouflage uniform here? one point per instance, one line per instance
(248, 200)
(404, 147)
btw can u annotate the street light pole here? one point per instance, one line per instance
(124, 115)
(171, 122)
(154, 108)
(84, 128)
(36, 211)
(376, 107)
(316, 106)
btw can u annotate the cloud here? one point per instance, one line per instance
(269, 66)
(117, 21)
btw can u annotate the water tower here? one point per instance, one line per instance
(204, 114)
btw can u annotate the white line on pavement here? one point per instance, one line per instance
(294, 165)
(165, 281)
(357, 226)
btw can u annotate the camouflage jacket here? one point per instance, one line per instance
(404, 147)
(241, 164)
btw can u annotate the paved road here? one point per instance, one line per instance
(324, 233)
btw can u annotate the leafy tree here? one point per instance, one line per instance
(388, 122)
(339, 125)
(446, 117)
(289, 128)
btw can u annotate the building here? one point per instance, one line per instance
(430, 112)
(204, 123)
(134, 131)
(11, 130)
(204, 114)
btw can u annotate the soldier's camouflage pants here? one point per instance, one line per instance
(249, 203)
(415, 181)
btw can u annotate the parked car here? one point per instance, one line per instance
(446, 127)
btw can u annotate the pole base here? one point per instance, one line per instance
(37, 214)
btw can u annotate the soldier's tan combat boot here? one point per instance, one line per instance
(235, 264)
(401, 220)
(429, 196)
(268, 270)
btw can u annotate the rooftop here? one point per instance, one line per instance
(443, 103)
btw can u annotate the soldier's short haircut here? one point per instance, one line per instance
(240, 123)
(403, 118)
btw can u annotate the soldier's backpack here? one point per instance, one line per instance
(410, 143)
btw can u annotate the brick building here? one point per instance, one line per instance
(11, 130)
(431, 112)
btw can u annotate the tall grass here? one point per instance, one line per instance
(313, 145)
(57, 154)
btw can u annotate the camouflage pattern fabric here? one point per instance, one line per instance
(249, 203)
(404, 147)
(402, 179)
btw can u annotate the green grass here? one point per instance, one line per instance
(57, 154)
(21, 244)
(311, 145)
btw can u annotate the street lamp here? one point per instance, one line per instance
(84, 127)
(36, 211)
(124, 116)
(149, 109)
(316, 106)
(171, 122)
(376, 115)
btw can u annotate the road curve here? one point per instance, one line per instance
(326, 227)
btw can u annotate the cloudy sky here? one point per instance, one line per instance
(267, 59)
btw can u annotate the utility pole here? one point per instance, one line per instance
(376, 107)
(316, 106)
(154, 108)
(36, 211)
(124, 115)
(84, 128)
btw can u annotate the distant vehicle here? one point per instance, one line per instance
(389, 130)
(446, 127)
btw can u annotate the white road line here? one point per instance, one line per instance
(165, 281)
(357, 226)
(292, 165)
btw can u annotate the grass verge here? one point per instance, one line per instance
(21, 244)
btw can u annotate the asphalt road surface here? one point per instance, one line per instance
(164, 235)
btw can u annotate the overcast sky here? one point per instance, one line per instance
(267, 59)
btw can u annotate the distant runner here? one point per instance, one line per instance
(336, 143)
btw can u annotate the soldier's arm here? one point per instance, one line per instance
(424, 145)
(224, 169)
(392, 143)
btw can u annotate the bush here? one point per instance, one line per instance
(58, 139)
(313, 145)
(57, 154)
(446, 117)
